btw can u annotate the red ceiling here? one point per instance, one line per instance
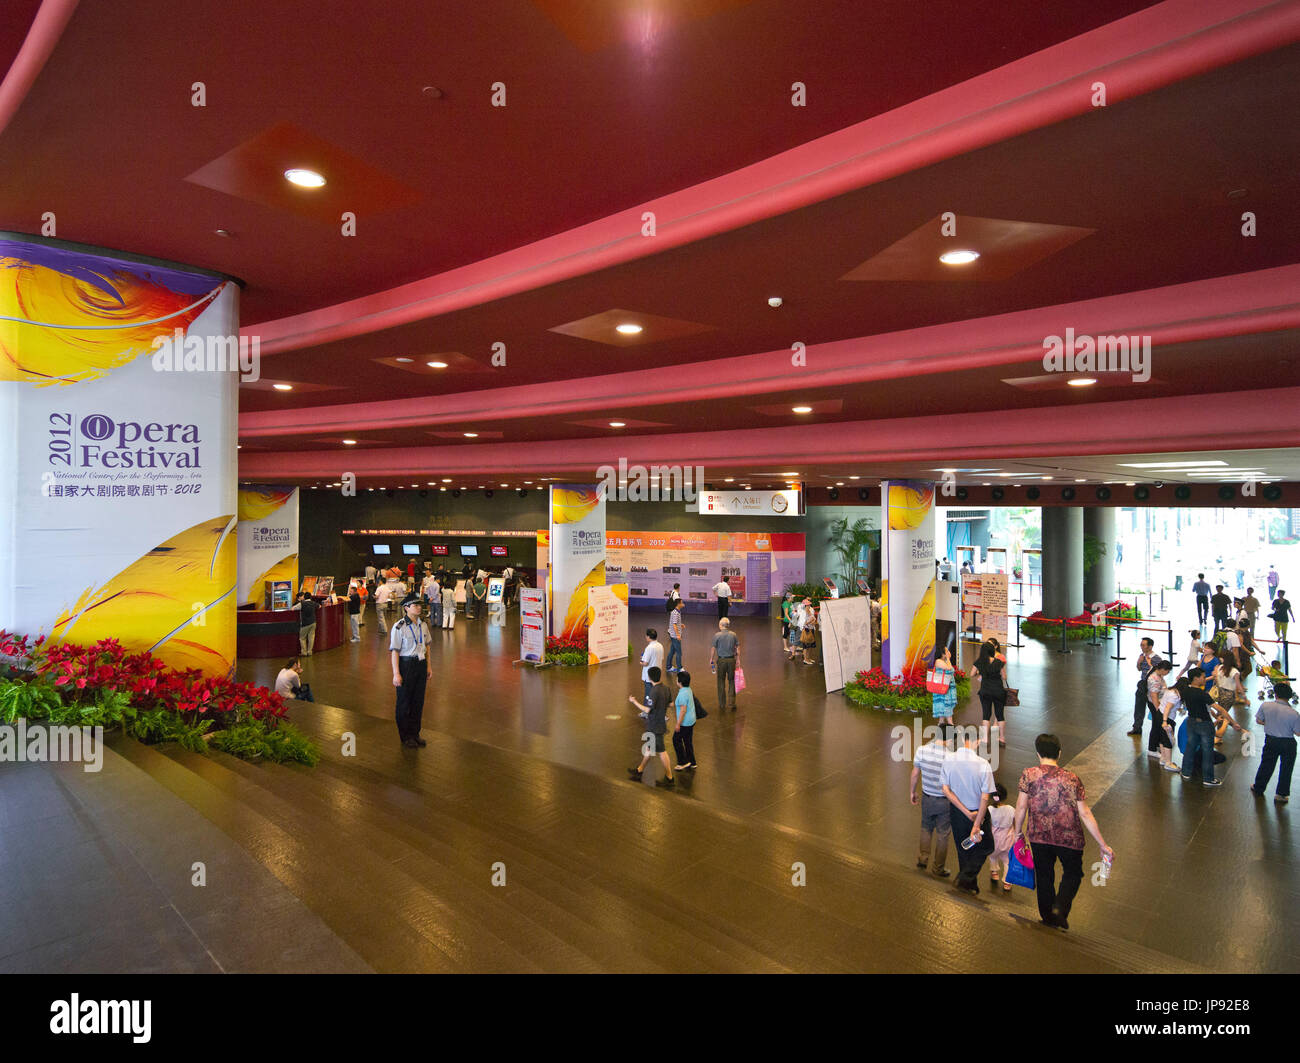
(108, 134)
(609, 108)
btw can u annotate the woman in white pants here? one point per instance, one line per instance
(449, 603)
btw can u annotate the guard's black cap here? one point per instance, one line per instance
(412, 598)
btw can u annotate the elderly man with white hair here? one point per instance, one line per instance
(724, 657)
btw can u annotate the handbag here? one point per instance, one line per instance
(1020, 865)
(807, 637)
(700, 711)
(1013, 696)
(740, 680)
(937, 681)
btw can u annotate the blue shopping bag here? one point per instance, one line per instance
(1020, 865)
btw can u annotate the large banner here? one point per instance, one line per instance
(118, 385)
(760, 564)
(907, 575)
(532, 624)
(845, 639)
(577, 555)
(268, 539)
(606, 623)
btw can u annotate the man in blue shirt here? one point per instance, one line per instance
(1202, 591)
(1281, 725)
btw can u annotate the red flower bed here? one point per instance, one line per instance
(913, 681)
(558, 645)
(81, 672)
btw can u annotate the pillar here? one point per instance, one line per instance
(1062, 561)
(1099, 581)
(118, 401)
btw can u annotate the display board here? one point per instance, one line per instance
(606, 623)
(907, 576)
(532, 624)
(119, 452)
(751, 503)
(496, 590)
(845, 639)
(267, 537)
(984, 604)
(649, 563)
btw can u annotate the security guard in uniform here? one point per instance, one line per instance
(409, 646)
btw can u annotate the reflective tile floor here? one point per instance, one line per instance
(387, 860)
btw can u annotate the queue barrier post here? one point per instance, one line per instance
(1170, 626)
(1017, 643)
(1117, 655)
(1065, 648)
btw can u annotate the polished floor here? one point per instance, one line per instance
(386, 860)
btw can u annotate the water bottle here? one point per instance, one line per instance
(1104, 873)
(973, 840)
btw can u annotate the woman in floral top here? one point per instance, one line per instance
(1053, 798)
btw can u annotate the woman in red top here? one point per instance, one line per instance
(1053, 798)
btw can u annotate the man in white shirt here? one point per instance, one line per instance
(723, 592)
(370, 573)
(383, 597)
(967, 781)
(651, 657)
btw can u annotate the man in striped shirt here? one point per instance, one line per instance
(926, 768)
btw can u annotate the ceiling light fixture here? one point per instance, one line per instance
(801, 409)
(1082, 382)
(774, 301)
(349, 442)
(471, 435)
(403, 359)
(304, 178)
(436, 365)
(617, 424)
(628, 329)
(958, 258)
(282, 387)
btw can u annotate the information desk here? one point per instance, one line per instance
(262, 633)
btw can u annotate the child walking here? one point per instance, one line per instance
(1004, 819)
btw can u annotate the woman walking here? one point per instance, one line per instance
(684, 730)
(796, 628)
(1228, 691)
(808, 636)
(943, 705)
(1171, 705)
(991, 666)
(1157, 684)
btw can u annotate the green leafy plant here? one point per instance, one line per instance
(251, 739)
(33, 699)
(162, 725)
(1094, 549)
(848, 541)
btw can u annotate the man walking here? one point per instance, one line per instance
(656, 718)
(383, 596)
(1281, 725)
(1250, 605)
(1202, 591)
(306, 623)
(724, 656)
(1272, 579)
(967, 781)
(1220, 603)
(652, 659)
(676, 626)
(927, 767)
(1140, 697)
(409, 647)
(723, 591)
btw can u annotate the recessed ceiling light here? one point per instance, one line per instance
(774, 301)
(529, 482)
(1015, 485)
(628, 329)
(505, 485)
(855, 477)
(1006, 474)
(958, 258)
(282, 387)
(436, 365)
(349, 442)
(239, 446)
(801, 409)
(730, 480)
(1080, 480)
(1170, 464)
(1082, 382)
(304, 178)
(432, 483)
(986, 485)
(442, 489)
(839, 483)
(1131, 483)
(368, 489)
(617, 424)
(1048, 477)
(471, 435)
(403, 359)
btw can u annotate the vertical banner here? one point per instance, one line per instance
(907, 575)
(947, 609)
(845, 639)
(532, 624)
(606, 623)
(268, 539)
(118, 391)
(577, 554)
